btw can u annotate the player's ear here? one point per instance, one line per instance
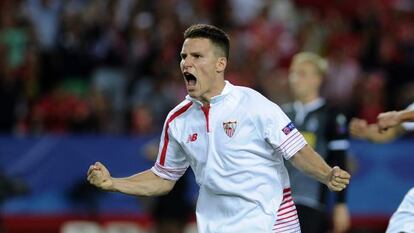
(221, 64)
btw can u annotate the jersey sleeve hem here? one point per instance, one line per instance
(292, 145)
(168, 173)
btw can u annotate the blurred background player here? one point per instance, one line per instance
(391, 125)
(325, 130)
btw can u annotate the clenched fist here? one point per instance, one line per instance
(99, 176)
(389, 119)
(338, 179)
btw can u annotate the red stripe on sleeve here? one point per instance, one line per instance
(166, 138)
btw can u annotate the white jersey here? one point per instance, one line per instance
(409, 126)
(235, 147)
(403, 219)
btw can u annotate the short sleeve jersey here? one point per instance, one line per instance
(403, 219)
(235, 146)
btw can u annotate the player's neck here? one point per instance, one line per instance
(215, 90)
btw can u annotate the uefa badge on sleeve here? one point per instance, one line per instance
(230, 127)
(288, 128)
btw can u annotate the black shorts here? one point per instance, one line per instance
(312, 220)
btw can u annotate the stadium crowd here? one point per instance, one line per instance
(111, 66)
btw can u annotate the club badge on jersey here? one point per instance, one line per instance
(288, 128)
(230, 127)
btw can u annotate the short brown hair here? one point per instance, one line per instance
(217, 36)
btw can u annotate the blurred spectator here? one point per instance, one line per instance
(142, 122)
(10, 187)
(370, 96)
(111, 84)
(124, 51)
(110, 66)
(15, 57)
(61, 112)
(9, 92)
(44, 15)
(72, 60)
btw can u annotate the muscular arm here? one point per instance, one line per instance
(360, 129)
(141, 184)
(312, 164)
(375, 135)
(407, 115)
(394, 118)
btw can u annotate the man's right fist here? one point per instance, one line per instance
(99, 176)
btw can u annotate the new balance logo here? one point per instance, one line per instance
(192, 137)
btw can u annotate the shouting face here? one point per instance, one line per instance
(202, 66)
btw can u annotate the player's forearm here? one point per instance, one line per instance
(406, 115)
(312, 164)
(374, 135)
(143, 184)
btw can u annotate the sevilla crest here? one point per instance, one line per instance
(230, 127)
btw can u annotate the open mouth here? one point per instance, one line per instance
(190, 78)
